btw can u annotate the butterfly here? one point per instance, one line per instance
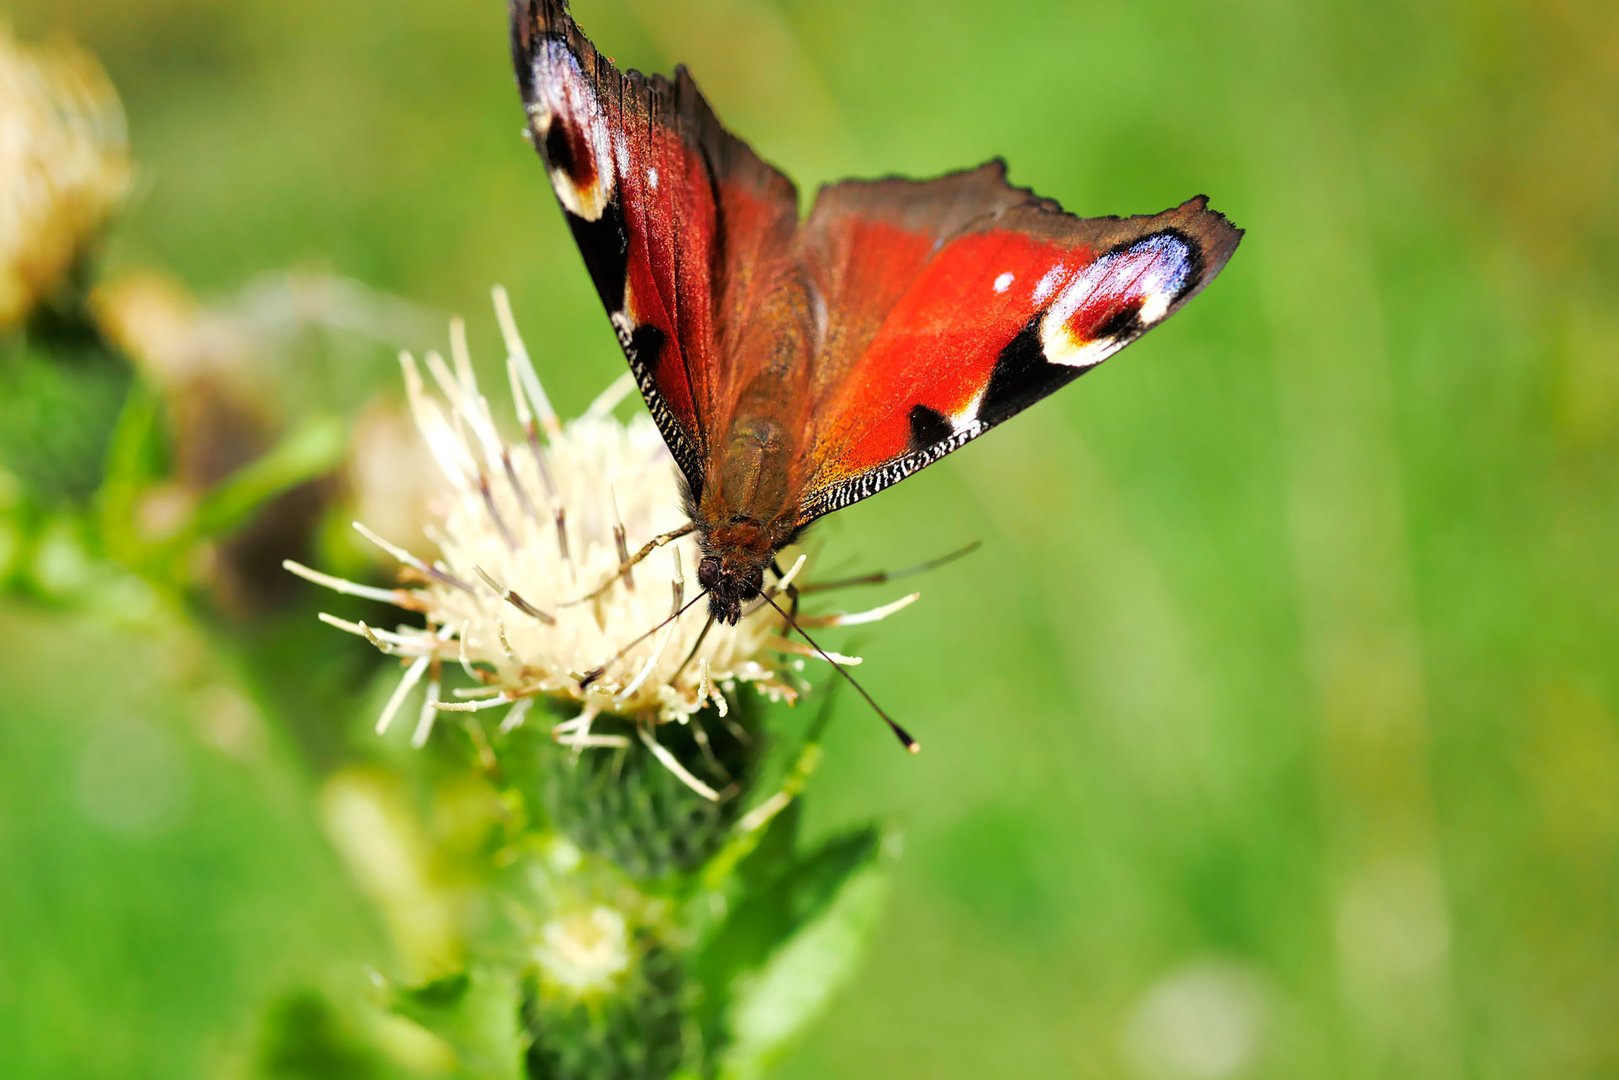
(797, 366)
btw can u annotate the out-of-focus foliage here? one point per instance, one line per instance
(1272, 733)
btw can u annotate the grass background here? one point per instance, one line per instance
(1271, 733)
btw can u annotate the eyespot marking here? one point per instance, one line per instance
(1116, 298)
(571, 131)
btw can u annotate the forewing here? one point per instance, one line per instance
(680, 224)
(955, 303)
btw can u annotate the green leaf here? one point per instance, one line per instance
(775, 847)
(476, 1013)
(306, 1038)
(786, 948)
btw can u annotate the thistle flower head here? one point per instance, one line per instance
(525, 530)
(64, 167)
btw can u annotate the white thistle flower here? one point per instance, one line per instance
(524, 530)
(64, 167)
(585, 952)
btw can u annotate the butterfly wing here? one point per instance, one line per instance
(903, 319)
(956, 303)
(682, 227)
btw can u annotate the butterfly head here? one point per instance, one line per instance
(735, 554)
(729, 586)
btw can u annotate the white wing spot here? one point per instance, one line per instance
(1048, 282)
(1153, 308)
(621, 152)
(1003, 282)
(967, 417)
(652, 179)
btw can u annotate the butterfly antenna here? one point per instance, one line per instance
(595, 673)
(889, 575)
(900, 733)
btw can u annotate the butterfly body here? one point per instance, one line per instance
(746, 513)
(749, 506)
(797, 366)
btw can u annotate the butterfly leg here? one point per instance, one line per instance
(792, 590)
(624, 568)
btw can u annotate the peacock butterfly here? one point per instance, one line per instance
(795, 367)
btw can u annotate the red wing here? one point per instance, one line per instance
(683, 228)
(955, 303)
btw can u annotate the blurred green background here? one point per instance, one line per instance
(1271, 733)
